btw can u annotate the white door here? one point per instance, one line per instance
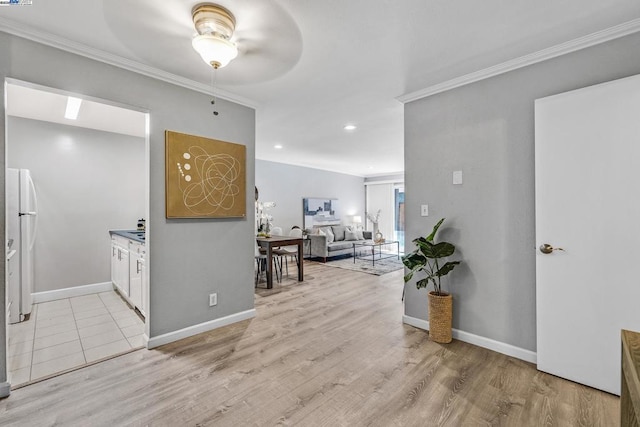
(587, 156)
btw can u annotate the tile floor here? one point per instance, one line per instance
(68, 333)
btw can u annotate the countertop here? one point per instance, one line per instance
(136, 235)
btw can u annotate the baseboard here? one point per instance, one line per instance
(75, 291)
(500, 347)
(5, 389)
(169, 337)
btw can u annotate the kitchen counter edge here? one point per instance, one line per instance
(129, 234)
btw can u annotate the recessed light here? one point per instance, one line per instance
(350, 127)
(73, 107)
(278, 146)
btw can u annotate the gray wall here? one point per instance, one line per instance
(486, 129)
(87, 182)
(188, 258)
(287, 185)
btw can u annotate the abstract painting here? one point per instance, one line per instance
(205, 178)
(319, 212)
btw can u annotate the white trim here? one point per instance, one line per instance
(75, 291)
(500, 347)
(574, 45)
(57, 42)
(145, 340)
(169, 337)
(31, 85)
(5, 389)
(386, 181)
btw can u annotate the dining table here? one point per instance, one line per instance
(273, 242)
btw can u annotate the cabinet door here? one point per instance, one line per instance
(145, 284)
(13, 290)
(123, 271)
(135, 280)
(114, 262)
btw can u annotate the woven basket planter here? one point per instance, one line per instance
(440, 313)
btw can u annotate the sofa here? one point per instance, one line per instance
(334, 240)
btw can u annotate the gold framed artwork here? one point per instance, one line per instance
(205, 178)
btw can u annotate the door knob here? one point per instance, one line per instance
(547, 248)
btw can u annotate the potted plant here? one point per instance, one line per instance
(428, 259)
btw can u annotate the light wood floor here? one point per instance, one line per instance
(331, 351)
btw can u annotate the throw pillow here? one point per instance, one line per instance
(350, 235)
(359, 235)
(330, 236)
(338, 231)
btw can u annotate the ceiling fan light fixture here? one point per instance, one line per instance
(214, 51)
(215, 26)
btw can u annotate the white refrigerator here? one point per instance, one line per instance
(22, 227)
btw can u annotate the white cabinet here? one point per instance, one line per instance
(120, 264)
(128, 272)
(123, 271)
(114, 260)
(145, 290)
(13, 288)
(136, 261)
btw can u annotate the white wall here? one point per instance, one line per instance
(486, 129)
(287, 185)
(87, 182)
(189, 258)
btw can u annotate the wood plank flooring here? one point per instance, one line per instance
(331, 351)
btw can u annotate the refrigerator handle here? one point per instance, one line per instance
(35, 206)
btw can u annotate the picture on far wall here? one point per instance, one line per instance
(205, 178)
(318, 212)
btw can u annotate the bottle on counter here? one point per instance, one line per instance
(141, 224)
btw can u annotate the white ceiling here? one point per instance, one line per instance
(310, 67)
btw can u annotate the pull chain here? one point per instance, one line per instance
(214, 78)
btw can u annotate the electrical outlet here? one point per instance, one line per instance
(213, 300)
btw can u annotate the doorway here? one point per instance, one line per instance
(587, 231)
(90, 174)
(388, 199)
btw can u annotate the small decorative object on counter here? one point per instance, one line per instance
(378, 238)
(141, 224)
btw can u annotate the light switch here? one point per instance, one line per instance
(424, 210)
(457, 177)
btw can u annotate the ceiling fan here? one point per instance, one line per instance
(215, 26)
(260, 35)
(266, 36)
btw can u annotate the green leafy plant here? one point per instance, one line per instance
(427, 258)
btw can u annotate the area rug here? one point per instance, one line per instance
(383, 266)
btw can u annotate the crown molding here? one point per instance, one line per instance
(574, 45)
(10, 27)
